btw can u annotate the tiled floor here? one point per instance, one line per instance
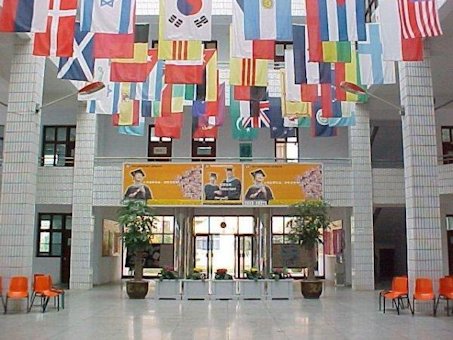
(106, 313)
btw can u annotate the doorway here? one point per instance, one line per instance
(224, 242)
(450, 251)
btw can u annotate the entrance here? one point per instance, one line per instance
(224, 242)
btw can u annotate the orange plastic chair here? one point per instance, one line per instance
(398, 292)
(1, 293)
(35, 290)
(18, 289)
(42, 288)
(445, 291)
(58, 291)
(424, 292)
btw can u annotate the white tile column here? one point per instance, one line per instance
(362, 247)
(82, 203)
(423, 223)
(20, 162)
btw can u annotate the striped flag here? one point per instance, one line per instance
(137, 131)
(419, 18)
(250, 93)
(134, 69)
(184, 71)
(334, 52)
(373, 68)
(292, 108)
(278, 130)
(107, 104)
(253, 49)
(24, 15)
(60, 25)
(267, 20)
(393, 45)
(151, 88)
(107, 16)
(349, 72)
(248, 72)
(255, 114)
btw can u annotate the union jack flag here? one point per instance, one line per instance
(258, 116)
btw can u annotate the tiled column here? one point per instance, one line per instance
(424, 256)
(362, 248)
(82, 203)
(20, 162)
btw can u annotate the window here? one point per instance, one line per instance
(163, 233)
(447, 144)
(50, 230)
(287, 149)
(203, 149)
(159, 148)
(280, 231)
(58, 146)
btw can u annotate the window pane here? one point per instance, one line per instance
(50, 133)
(56, 238)
(276, 239)
(158, 225)
(280, 151)
(277, 225)
(68, 225)
(72, 134)
(57, 222)
(61, 154)
(61, 134)
(292, 151)
(446, 135)
(44, 241)
(56, 249)
(168, 239)
(168, 225)
(49, 156)
(156, 238)
(45, 222)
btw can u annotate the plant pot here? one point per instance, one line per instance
(195, 289)
(280, 289)
(223, 289)
(311, 289)
(251, 289)
(137, 289)
(168, 289)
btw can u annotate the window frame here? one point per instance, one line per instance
(52, 231)
(154, 141)
(285, 142)
(204, 142)
(68, 143)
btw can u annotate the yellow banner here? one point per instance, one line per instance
(251, 184)
(163, 183)
(281, 184)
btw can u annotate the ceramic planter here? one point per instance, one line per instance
(168, 289)
(223, 289)
(195, 289)
(280, 289)
(251, 289)
(136, 289)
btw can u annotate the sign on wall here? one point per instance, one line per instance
(251, 184)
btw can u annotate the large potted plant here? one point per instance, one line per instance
(137, 222)
(310, 219)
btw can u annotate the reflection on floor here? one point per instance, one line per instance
(106, 313)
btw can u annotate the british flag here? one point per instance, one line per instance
(258, 116)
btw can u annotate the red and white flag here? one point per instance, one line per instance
(419, 18)
(58, 39)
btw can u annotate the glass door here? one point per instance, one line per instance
(244, 246)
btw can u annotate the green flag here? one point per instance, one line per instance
(238, 132)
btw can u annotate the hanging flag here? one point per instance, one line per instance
(296, 122)
(137, 131)
(151, 88)
(238, 132)
(172, 99)
(335, 51)
(419, 18)
(320, 125)
(24, 15)
(128, 109)
(292, 108)
(107, 16)
(267, 20)
(135, 69)
(349, 72)
(373, 68)
(81, 65)
(101, 74)
(176, 50)
(107, 104)
(255, 114)
(340, 20)
(247, 93)
(184, 72)
(187, 19)
(60, 25)
(203, 128)
(277, 129)
(344, 114)
(248, 72)
(207, 90)
(169, 126)
(393, 45)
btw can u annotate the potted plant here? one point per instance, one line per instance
(281, 284)
(310, 219)
(223, 287)
(168, 285)
(195, 287)
(137, 222)
(254, 287)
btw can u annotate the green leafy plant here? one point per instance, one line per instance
(168, 273)
(310, 219)
(197, 274)
(137, 222)
(253, 274)
(221, 274)
(280, 273)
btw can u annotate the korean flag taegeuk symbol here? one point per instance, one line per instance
(187, 19)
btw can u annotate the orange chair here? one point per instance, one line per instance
(1, 293)
(58, 291)
(18, 289)
(424, 292)
(42, 287)
(397, 293)
(445, 291)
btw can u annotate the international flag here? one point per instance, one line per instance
(373, 68)
(169, 126)
(213, 112)
(102, 74)
(135, 69)
(207, 90)
(267, 20)
(419, 18)
(297, 122)
(248, 72)
(107, 16)
(176, 50)
(81, 65)
(258, 93)
(349, 72)
(344, 114)
(172, 99)
(128, 109)
(255, 114)
(277, 129)
(394, 47)
(24, 15)
(238, 132)
(335, 51)
(151, 88)
(292, 108)
(320, 124)
(108, 103)
(183, 72)
(187, 19)
(137, 131)
(60, 25)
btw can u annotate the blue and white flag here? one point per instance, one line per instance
(373, 68)
(342, 20)
(152, 87)
(130, 130)
(107, 16)
(267, 20)
(343, 114)
(278, 130)
(81, 65)
(109, 103)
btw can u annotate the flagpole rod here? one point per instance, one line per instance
(399, 108)
(39, 108)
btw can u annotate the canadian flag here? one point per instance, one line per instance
(58, 39)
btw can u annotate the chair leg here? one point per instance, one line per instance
(397, 304)
(6, 305)
(380, 296)
(413, 306)
(46, 301)
(448, 308)
(434, 307)
(436, 303)
(384, 304)
(28, 304)
(33, 296)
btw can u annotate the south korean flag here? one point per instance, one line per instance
(187, 19)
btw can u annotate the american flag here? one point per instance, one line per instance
(419, 18)
(259, 117)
